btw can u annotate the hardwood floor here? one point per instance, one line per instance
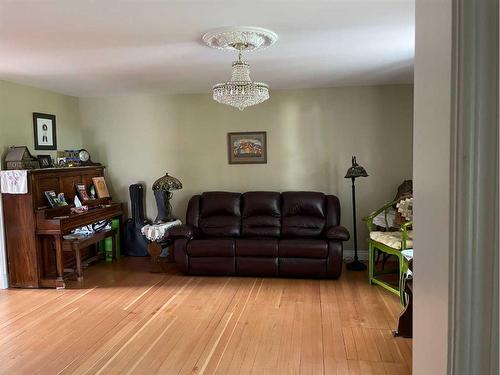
(125, 320)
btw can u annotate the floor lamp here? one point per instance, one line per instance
(354, 172)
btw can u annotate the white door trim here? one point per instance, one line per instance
(473, 318)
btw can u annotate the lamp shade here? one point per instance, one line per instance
(355, 170)
(167, 183)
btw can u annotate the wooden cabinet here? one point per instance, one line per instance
(30, 249)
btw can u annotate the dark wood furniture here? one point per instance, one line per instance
(405, 322)
(76, 246)
(34, 232)
(158, 264)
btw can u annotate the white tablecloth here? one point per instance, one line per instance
(157, 232)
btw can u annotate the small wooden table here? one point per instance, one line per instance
(157, 235)
(78, 244)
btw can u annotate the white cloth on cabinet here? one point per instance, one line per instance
(14, 181)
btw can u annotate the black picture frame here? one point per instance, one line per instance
(44, 139)
(45, 161)
(259, 137)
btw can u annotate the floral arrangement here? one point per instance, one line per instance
(405, 208)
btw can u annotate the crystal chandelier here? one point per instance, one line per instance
(240, 91)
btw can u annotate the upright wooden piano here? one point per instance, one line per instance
(34, 231)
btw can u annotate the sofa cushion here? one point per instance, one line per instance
(303, 214)
(256, 247)
(220, 214)
(211, 248)
(302, 248)
(261, 216)
(220, 226)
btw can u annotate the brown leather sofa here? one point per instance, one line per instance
(291, 234)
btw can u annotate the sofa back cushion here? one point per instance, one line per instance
(261, 214)
(220, 214)
(303, 214)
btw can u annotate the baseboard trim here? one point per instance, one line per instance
(4, 281)
(362, 254)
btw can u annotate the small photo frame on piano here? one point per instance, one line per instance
(45, 161)
(101, 187)
(81, 191)
(51, 196)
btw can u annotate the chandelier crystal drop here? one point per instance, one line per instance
(241, 92)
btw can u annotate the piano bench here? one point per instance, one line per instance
(76, 245)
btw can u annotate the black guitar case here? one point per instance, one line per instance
(135, 243)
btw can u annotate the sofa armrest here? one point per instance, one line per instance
(183, 231)
(337, 233)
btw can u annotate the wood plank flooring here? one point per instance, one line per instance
(125, 320)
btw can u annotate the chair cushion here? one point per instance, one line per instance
(303, 248)
(261, 215)
(256, 247)
(392, 239)
(303, 214)
(211, 248)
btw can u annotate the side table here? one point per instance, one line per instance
(157, 235)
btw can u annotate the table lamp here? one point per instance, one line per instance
(162, 189)
(355, 171)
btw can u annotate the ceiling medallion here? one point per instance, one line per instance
(240, 91)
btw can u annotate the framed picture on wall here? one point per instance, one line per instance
(44, 128)
(247, 148)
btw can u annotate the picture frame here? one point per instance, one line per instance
(81, 191)
(101, 187)
(247, 147)
(45, 161)
(44, 130)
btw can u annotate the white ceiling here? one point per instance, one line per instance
(90, 48)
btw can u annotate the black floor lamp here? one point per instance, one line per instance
(354, 172)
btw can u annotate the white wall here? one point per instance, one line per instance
(311, 137)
